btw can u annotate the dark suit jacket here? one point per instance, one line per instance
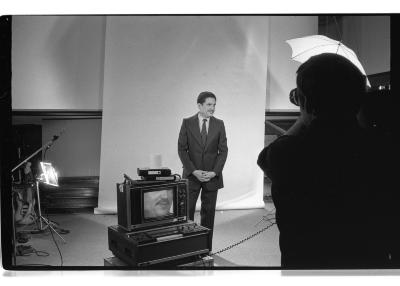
(195, 156)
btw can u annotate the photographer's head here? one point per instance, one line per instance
(330, 86)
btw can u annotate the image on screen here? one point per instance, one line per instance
(158, 204)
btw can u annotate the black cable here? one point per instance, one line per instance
(41, 253)
(55, 242)
(27, 250)
(37, 252)
(265, 218)
(272, 220)
(243, 240)
(268, 218)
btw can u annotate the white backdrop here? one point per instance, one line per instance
(57, 62)
(155, 66)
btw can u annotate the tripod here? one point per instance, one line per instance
(41, 218)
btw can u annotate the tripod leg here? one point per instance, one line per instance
(40, 211)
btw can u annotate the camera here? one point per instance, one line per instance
(294, 97)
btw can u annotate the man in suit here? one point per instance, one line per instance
(202, 148)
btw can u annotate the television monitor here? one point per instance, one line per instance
(144, 204)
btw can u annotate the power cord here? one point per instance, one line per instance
(27, 250)
(272, 222)
(55, 242)
(267, 218)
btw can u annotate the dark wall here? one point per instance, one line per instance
(5, 139)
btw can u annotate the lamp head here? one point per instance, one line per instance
(49, 174)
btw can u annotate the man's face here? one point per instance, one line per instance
(157, 203)
(207, 108)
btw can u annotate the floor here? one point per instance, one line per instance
(87, 244)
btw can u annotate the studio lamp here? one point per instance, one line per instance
(48, 177)
(49, 174)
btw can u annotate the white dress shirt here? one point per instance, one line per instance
(201, 122)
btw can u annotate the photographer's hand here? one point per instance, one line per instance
(304, 119)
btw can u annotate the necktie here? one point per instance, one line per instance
(204, 132)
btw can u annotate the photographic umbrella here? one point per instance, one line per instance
(306, 47)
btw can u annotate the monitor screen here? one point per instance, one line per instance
(158, 203)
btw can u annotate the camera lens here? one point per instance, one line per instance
(293, 97)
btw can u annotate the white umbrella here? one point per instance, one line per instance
(306, 47)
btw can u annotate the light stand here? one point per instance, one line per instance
(49, 177)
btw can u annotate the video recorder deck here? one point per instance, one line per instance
(159, 245)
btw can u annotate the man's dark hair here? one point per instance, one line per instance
(332, 85)
(204, 95)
